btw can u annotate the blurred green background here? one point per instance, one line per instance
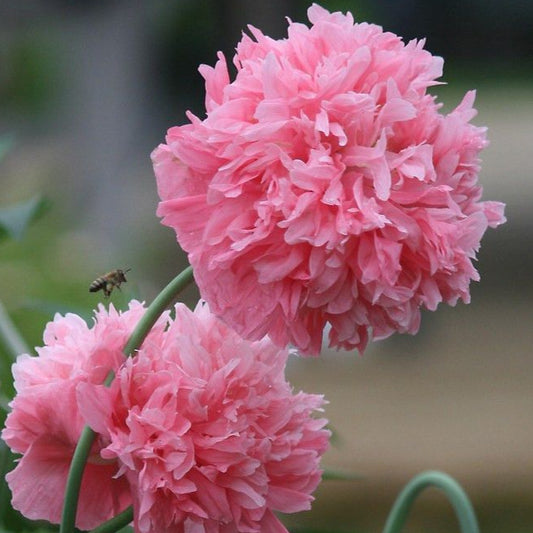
(88, 89)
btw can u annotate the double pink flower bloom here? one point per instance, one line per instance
(325, 188)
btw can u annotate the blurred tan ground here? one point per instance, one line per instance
(457, 398)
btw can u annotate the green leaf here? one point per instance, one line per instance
(10, 336)
(15, 219)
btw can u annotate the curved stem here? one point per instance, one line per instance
(79, 459)
(116, 523)
(161, 302)
(456, 495)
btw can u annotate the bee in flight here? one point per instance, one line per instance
(109, 281)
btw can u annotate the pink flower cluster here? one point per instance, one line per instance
(200, 430)
(324, 186)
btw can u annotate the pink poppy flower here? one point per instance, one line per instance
(45, 423)
(325, 188)
(207, 430)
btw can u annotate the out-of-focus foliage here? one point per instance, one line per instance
(14, 222)
(29, 78)
(15, 219)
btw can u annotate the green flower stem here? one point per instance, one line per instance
(456, 495)
(161, 302)
(10, 336)
(79, 459)
(116, 523)
(72, 490)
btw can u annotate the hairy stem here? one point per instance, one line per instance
(79, 459)
(456, 495)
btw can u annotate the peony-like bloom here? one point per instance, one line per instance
(45, 422)
(325, 188)
(208, 432)
(200, 430)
